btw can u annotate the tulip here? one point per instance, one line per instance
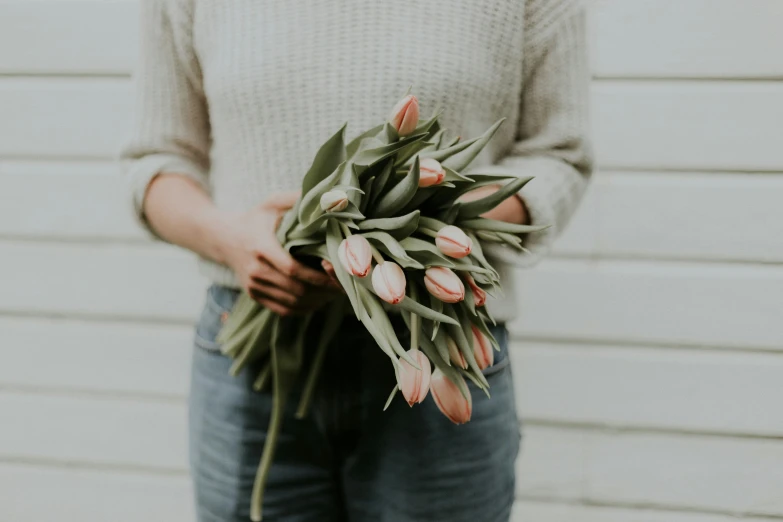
(414, 383)
(430, 172)
(444, 284)
(479, 294)
(355, 255)
(455, 354)
(388, 281)
(453, 242)
(482, 349)
(334, 201)
(449, 399)
(405, 115)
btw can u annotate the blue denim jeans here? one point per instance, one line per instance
(348, 460)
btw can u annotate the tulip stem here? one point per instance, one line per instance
(345, 229)
(428, 232)
(415, 323)
(376, 255)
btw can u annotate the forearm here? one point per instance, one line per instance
(179, 211)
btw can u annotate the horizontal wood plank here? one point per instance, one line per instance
(634, 127)
(696, 390)
(139, 281)
(731, 475)
(32, 493)
(68, 37)
(686, 38)
(689, 125)
(98, 357)
(94, 430)
(536, 511)
(64, 117)
(733, 306)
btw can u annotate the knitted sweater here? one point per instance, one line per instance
(239, 95)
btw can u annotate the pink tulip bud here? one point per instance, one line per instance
(388, 281)
(444, 284)
(430, 172)
(405, 115)
(355, 255)
(482, 349)
(455, 354)
(449, 399)
(334, 201)
(453, 242)
(414, 383)
(479, 294)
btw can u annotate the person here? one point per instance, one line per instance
(233, 100)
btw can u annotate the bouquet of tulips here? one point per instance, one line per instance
(386, 211)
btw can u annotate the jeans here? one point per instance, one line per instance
(348, 460)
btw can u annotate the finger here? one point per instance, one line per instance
(276, 294)
(290, 267)
(271, 304)
(271, 276)
(329, 269)
(282, 200)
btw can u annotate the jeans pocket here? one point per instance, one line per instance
(220, 300)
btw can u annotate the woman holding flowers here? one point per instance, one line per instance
(233, 100)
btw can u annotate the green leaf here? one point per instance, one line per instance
(478, 321)
(381, 319)
(421, 196)
(437, 305)
(409, 151)
(328, 157)
(425, 252)
(381, 181)
(353, 146)
(332, 320)
(367, 187)
(430, 350)
(475, 208)
(443, 348)
(334, 237)
(305, 231)
(387, 243)
(310, 206)
(399, 195)
(318, 250)
(370, 157)
(463, 336)
(488, 236)
(452, 175)
(398, 227)
(462, 159)
(431, 223)
(500, 226)
(244, 310)
(304, 241)
(430, 126)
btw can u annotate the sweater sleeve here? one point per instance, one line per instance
(552, 136)
(171, 128)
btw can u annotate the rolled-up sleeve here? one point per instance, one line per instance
(552, 136)
(171, 131)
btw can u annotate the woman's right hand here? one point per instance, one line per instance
(264, 269)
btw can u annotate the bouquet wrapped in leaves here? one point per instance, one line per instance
(386, 211)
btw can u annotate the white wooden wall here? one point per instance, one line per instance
(649, 355)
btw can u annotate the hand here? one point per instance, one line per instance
(264, 269)
(511, 210)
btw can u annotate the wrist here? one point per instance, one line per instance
(220, 233)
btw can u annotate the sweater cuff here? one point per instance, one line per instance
(141, 172)
(550, 197)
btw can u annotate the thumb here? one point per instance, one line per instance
(282, 200)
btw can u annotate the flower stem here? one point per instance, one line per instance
(428, 232)
(415, 323)
(345, 229)
(376, 255)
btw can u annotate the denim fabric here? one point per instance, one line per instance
(348, 460)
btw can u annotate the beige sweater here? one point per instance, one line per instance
(239, 94)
